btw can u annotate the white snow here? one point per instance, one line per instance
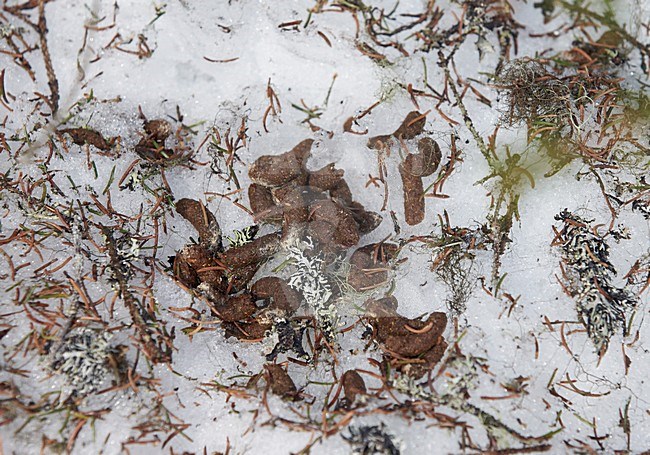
(302, 67)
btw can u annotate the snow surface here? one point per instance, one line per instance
(300, 65)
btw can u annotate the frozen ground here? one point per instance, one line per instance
(242, 79)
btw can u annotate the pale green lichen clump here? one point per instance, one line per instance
(310, 279)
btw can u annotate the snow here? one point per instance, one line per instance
(301, 66)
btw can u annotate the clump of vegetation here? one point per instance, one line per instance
(454, 252)
(311, 281)
(601, 305)
(83, 357)
(531, 91)
(372, 440)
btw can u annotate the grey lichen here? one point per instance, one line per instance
(82, 358)
(601, 306)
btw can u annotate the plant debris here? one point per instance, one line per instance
(601, 306)
(372, 440)
(220, 258)
(83, 357)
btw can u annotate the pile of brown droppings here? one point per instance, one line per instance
(317, 203)
(410, 346)
(412, 169)
(370, 265)
(221, 276)
(415, 165)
